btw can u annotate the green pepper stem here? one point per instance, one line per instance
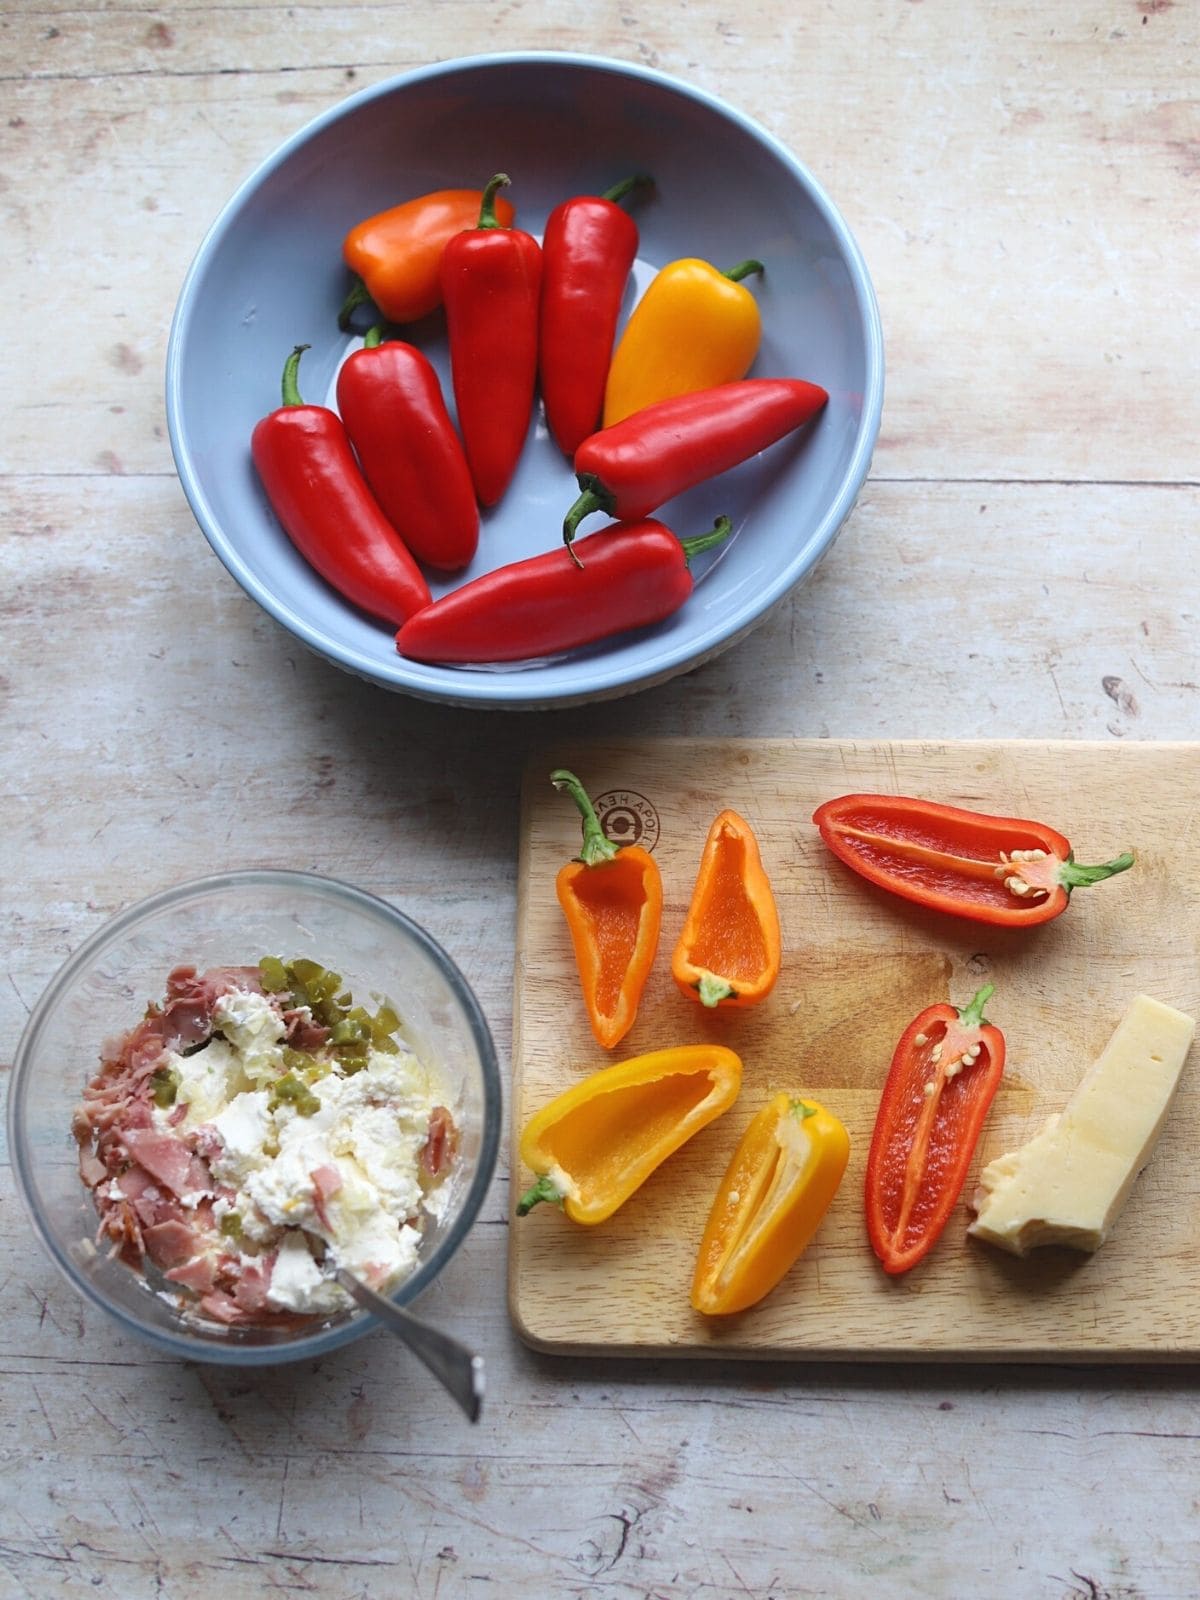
(712, 990)
(593, 497)
(373, 337)
(744, 269)
(487, 206)
(358, 296)
(721, 530)
(972, 1015)
(1072, 876)
(291, 377)
(597, 846)
(544, 1189)
(801, 1110)
(640, 180)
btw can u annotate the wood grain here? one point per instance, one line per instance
(1021, 186)
(1021, 180)
(859, 965)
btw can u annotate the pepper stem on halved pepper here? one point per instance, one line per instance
(545, 1189)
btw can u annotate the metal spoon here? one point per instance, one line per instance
(454, 1366)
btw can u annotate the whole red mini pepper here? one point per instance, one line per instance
(944, 1074)
(307, 467)
(391, 402)
(1001, 870)
(588, 247)
(635, 466)
(633, 575)
(491, 277)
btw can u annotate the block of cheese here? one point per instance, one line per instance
(1068, 1184)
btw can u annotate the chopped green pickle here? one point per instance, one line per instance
(350, 1029)
(353, 1030)
(273, 975)
(351, 1057)
(231, 1225)
(165, 1086)
(289, 1089)
(386, 1021)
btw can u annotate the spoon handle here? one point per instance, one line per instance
(454, 1366)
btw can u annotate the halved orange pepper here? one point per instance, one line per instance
(611, 896)
(599, 1141)
(779, 1185)
(396, 255)
(729, 951)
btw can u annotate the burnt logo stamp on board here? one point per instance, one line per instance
(628, 817)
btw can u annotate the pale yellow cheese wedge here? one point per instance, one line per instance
(1068, 1184)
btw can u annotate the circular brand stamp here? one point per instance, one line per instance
(628, 817)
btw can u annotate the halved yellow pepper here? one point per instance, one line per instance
(599, 1141)
(779, 1185)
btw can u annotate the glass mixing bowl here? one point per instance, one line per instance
(233, 919)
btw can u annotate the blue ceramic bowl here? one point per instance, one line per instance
(269, 275)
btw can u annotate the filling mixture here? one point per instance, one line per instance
(257, 1131)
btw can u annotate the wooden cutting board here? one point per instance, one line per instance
(858, 965)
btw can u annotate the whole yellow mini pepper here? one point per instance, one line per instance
(779, 1185)
(600, 1140)
(694, 328)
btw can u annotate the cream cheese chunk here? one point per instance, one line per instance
(1068, 1184)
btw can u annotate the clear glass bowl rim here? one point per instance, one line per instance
(306, 1346)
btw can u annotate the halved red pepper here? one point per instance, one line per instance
(491, 279)
(1002, 870)
(391, 402)
(639, 464)
(307, 467)
(588, 247)
(944, 1073)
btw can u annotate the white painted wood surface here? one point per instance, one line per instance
(1023, 181)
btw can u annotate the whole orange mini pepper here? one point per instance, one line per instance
(396, 255)
(599, 1141)
(611, 896)
(729, 951)
(779, 1185)
(694, 327)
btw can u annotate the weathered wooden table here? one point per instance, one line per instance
(1023, 181)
